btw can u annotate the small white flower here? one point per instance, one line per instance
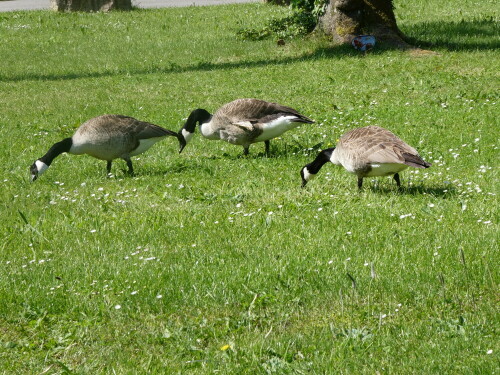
(489, 351)
(134, 292)
(330, 261)
(159, 296)
(270, 212)
(93, 231)
(118, 307)
(193, 245)
(431, 205)
(320, 209)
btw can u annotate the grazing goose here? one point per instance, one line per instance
(367, 152)
(243, 122)
(106, 137)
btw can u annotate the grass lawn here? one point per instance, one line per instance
(210, 262)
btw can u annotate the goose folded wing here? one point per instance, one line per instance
(383, 154)
(147, 130)
(415, 161)
(245, 125)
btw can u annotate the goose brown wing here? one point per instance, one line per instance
(256, 111)
(383, 153)
(374, 144)
(142, 129)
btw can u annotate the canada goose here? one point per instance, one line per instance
(106, 137)
(243, 122)
(367, 152)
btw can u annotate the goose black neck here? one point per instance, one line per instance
(56, 150)
(322, 158)
(199, 116)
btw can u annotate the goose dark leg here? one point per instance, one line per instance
(108, 167)
(360, 182)
(129, 165)
(268, 144)
(396, 178)
(245, 150)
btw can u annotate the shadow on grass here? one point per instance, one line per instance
(470, 35)
(435, 191)
(256, 151)
(203, 66)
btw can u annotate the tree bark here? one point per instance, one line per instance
(278, 2)
(90, 5)
(344, 19)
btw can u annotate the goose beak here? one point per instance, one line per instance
(304, 181)
(34, 172)
(182, 143)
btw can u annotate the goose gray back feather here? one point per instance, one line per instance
(244, 121)
(373, 145)
(106, 137)
(366, 152)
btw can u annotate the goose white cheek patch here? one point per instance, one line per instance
(187, 135)
(41, 166)
(308, 176)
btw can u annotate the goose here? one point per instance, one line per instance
(367, 152)
(106, 137)
(243, 122)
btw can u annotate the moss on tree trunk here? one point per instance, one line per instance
(344, 19)
(90, 5)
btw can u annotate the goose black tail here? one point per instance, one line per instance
(415, 161)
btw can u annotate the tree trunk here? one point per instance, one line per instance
(344, 19)
(90, 5)
(278, 2)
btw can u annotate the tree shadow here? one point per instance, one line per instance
(465, 35)
(333, 52)
(470, 35)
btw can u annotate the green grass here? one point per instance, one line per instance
(222, 263)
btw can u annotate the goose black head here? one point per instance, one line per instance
(198, 116)
(310, 170)
(37, 169)
(182, 141)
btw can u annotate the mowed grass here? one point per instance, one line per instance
(210, 262)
